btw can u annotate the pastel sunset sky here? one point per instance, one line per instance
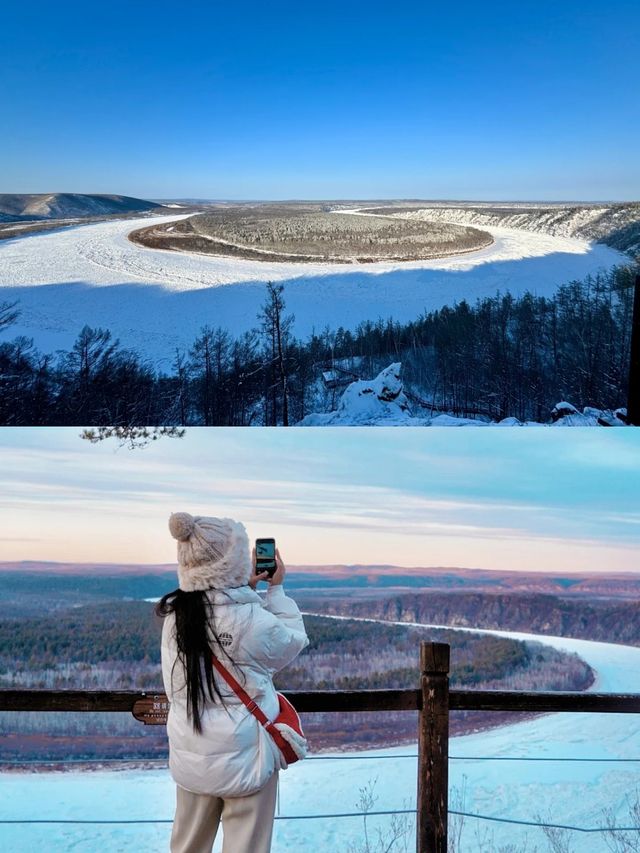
(538, 499)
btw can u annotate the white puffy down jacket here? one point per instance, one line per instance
(234, 755)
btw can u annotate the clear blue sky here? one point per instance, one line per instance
(518, 499)
(535, 100)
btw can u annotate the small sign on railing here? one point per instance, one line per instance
(152, 710)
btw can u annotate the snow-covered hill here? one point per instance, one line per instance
(20, 207)
(617, 225)
(155, 301)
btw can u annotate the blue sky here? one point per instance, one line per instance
(532, 100)
(537, 499)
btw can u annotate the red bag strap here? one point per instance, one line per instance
(240, 692)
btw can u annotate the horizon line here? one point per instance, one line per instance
(14, 565)
(297, 200)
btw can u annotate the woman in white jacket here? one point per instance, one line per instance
(224, 763)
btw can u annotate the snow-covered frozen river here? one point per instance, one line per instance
(94, 275)
(569, 792)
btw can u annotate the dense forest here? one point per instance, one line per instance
(597, 618)
(116, 645)
(119, 646)
(502, 357)
(35, 594)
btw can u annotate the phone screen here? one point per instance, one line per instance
(265, 555)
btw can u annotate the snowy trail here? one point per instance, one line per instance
(571, 792)
(93, 274)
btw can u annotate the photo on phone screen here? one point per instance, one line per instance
(265, 556)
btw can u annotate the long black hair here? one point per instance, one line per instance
(194, 621)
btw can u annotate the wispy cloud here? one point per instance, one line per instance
(373, 494)
(20, 539)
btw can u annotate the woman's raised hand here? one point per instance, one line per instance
(263, 576)
(278, 575)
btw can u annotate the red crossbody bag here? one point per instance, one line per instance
(286, 729)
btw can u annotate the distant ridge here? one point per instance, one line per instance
(381, 579)
(40, 566)
(19, 207)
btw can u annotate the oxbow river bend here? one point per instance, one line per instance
(156, 301)
(568, 792)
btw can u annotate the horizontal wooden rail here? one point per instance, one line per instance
(543, 702)
(70, 700)
(330, 701)
(124, 700)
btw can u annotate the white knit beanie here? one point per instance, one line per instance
(213, 553)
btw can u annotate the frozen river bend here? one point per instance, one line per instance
(569, 792)
(95, 275)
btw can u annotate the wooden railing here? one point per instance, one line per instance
(433, 700)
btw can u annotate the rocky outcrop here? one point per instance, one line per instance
(383, 402)
(565, 414)
(368, 403)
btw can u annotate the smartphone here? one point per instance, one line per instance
(266, 556)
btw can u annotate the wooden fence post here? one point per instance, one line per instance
(633, 402)
(433, 749)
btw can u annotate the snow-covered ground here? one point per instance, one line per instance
(569, 792)
(156, 300)
(382, 402)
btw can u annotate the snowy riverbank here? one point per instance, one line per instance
(572, 792)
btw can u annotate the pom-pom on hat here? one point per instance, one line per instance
(213, 553)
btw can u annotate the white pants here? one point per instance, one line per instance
(247, 822)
